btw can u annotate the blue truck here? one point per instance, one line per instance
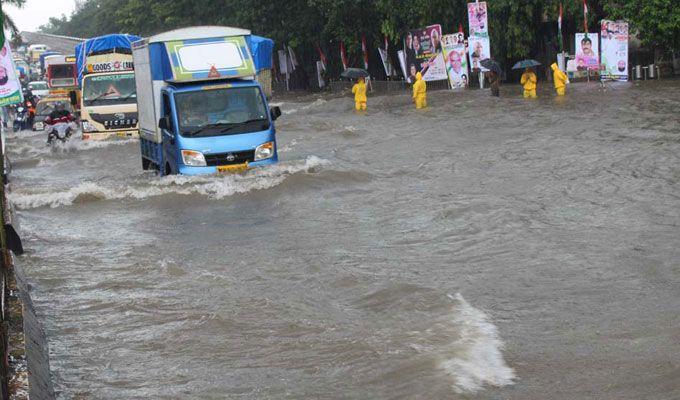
(201, 108)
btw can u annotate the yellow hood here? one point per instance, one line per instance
(419, 76)
(554, 66)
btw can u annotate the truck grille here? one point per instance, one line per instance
(231, 158)
(116, 121)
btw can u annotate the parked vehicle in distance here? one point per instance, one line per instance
(39, 88)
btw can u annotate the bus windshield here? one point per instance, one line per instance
(62, 71)
(103, 90)
(217, 112)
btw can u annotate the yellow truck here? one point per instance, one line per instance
(108, 94)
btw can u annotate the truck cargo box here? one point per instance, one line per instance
(182, 56)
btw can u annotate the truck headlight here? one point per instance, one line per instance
(264, 151)
(193, 158)
(88, 127)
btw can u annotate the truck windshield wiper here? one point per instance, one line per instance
(128, 96)
(227, 129)
(202, 129)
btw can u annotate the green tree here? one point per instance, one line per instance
(657, 22)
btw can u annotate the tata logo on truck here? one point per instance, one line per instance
(111, 66)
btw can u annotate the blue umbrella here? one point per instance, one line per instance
(526, 64)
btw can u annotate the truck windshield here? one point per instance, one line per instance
(218, 112)
(105, 90)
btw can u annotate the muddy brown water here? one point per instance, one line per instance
(481, 249)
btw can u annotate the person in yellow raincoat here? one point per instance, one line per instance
(359, 90)
(529, 82)
(560, 79)
(420, 92)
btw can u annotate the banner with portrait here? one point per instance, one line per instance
(455, 58)
(387, 64)
(478, 19)
(587, 52)
(479, 45)
(614, 52)
(10, 87)
(423, 53)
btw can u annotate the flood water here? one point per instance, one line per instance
(480, 249)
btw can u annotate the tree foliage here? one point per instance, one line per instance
(657, 22)
(518, 28)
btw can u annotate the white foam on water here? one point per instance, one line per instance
(315, 103)
(212, 186)
(478, 359)
(288, 147)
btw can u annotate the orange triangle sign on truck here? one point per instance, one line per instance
(214, 73)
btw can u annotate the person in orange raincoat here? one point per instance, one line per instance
(359, 90)
(560, 79)
(529, 82)
(420, 92)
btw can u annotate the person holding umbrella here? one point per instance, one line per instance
(528, 81)
(529, 77)
(359, 90)
(493, 75)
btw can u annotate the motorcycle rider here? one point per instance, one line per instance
(59, 115)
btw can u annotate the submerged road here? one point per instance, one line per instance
(481, 249)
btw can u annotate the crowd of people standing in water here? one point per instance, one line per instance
(528, 81)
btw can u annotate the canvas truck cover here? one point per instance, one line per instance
(102, 45)
(190, 55)
(262, 50)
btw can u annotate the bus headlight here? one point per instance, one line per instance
(193, 158)
(264, 151)
(88, 127)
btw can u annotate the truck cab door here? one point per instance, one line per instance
(169, 132)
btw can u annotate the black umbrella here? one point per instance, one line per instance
(491, 65)
(526, 64)
(354, 73)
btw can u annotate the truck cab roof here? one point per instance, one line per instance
(208, 85)
(198, 32)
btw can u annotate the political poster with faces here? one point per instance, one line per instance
(10, 87)
(455, 58)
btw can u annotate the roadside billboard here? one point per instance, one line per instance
(10, 87)
(587, 51)
(614, 50)
(455, 57)
(423, 53)
(479, 43)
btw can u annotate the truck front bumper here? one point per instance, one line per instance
(124, 134)
(184, 170)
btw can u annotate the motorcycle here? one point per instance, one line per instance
(20, 119)
(60, 131)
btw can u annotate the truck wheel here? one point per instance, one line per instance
(146, 164)
(168, 170)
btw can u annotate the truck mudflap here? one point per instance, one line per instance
(152, 155)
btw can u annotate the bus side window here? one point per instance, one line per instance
(167, 111)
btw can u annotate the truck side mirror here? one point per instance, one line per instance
(164, 123)
(275, 113)
(74, 98)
